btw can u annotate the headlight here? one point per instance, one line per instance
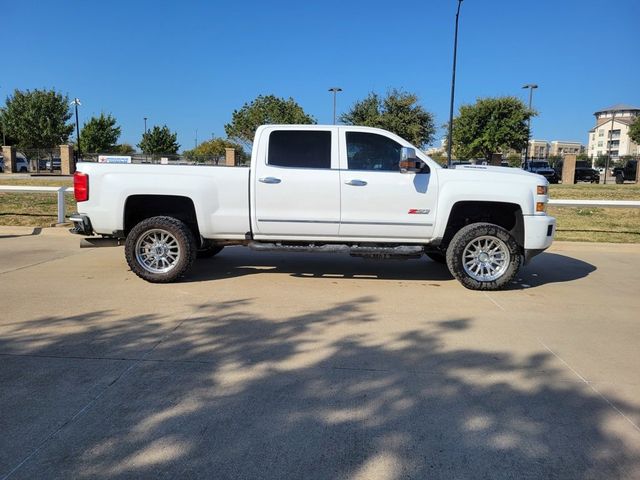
(542, 189)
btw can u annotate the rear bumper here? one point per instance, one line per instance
(538, 234)
(81, 224)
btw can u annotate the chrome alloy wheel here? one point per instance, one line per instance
(486, 258)
(157, 251)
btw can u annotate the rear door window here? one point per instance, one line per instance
(300, 149)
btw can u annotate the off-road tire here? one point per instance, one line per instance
(209, 251)
(186, 245)
(464, 237)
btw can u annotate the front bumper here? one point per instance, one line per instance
(81, 224)
(538, 234)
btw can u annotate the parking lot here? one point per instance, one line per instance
(316, 366)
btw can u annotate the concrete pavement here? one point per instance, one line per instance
(316, 366)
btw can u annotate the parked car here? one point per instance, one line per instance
(57, 163)
(626, 173)
(22, 165)
(586, 174)
(379, 197)
(543, 168)
(459, 163)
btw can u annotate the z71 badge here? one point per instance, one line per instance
(418, 211)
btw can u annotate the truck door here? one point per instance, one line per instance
(297, 184)
(378, 201)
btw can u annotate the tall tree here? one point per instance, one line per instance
(213, 149)
(514, 160)
(124, 149)
(99, 134)
(4, 135)
(491, 125)
(634, 130)
(263, 110)
(159, 140)
(38, 118)
(399, 112)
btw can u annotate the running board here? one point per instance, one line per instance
(402, 251)
(99, 242)
(311, 248)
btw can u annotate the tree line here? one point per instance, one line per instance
(43, 119)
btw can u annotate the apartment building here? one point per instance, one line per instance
(611, 133)
(560, 148)
(538, 149)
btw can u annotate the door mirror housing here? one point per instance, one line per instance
(407, 153)
(409, 162)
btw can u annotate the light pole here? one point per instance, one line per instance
(145, 124)
(453, 87)
(335, 91)
(76, 102)
(196, 138)
(4, 140)
(610, 146)
(531, 87)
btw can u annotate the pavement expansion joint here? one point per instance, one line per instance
(93, 401)
(591, 386)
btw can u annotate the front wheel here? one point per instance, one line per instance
(160, 249)
(484, 256)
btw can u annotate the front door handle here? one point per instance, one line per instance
(270, 180)
(356, 183)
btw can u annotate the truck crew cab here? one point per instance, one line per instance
(314, 188)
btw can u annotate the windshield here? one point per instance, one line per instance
(540, 165)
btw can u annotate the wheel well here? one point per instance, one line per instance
(506, 215)
(139, 207)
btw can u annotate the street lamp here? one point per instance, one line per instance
(76, 102)
(531, 87)
(145, 124)
(4, 140)
(335, 91)
(610, 146)
(453, 87)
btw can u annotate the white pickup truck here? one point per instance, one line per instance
(313, 188)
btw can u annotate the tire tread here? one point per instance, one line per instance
(184, 236)
(460, 241)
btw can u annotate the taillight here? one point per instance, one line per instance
(81, 186)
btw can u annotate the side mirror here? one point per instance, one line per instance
(409, 162)
(407, 153)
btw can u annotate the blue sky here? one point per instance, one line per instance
(189, 64)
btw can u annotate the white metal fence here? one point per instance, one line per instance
(595, 203)
(61, 191)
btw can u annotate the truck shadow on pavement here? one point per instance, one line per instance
(232, 393)
(551, 268)
(235, 262)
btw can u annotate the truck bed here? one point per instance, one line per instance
(220, 194)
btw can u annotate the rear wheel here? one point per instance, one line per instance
(484, 256)
(160, 249)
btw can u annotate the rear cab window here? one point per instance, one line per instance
(300, 149)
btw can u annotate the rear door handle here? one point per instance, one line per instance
(270, 180)
(356, 183)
